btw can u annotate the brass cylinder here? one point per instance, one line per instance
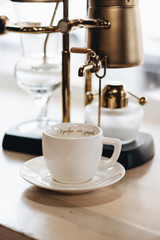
(114, 96)
(122, 43)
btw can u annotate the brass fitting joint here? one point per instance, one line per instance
(3, 21)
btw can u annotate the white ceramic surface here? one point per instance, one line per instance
(35, 172)
(72, 151)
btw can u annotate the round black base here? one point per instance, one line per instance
(134, 154)
(25, 137)
(15, 140)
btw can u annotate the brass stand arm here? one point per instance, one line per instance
(67, 25)
(43, 29)
(6, 26)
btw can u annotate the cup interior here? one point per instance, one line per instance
(72, 130)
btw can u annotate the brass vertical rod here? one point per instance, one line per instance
(104, 63)
(99, 103)
(65, 9)
(65, 70)
(88, 76)
(88, 85)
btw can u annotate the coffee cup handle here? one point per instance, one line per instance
(117, 149)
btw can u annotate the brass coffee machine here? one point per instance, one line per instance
(114, 40)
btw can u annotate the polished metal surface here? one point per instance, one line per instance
(89, 96)
(66, 25)
(97, 3)
(35, 29)
(94, 64)
(122, 43)
(114, 96)
(66, 95)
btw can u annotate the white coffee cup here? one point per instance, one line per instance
(72, 151)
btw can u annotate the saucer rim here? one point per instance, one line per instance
(67, 189)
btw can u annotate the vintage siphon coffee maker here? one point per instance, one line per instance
(114, 40)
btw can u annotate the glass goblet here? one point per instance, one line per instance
(39, 77)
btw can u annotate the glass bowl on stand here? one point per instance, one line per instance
(37, 72)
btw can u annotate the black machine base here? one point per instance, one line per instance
(132, 155)
(18, 141)
(135, 153)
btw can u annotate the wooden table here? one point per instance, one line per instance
(129, 209)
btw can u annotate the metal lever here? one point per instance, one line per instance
(141, 100)
(82, 50)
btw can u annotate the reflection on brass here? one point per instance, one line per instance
(65, 70)
(99, 103)
(88, 87)
(82, 50)
(89, 97)
(35, 29)
(66, 25)
(65, 84)
(114, 96)
(85, 68)
(141, 100)
(122, 42)
(99, 92)
(93, 64)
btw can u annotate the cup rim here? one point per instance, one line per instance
(71, 138)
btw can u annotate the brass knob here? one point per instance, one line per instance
(90, 97)
(142, 100)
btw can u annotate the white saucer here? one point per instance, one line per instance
(35, 172)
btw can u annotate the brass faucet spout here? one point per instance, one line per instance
(84, 68)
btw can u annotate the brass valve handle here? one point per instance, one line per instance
(82, 50)
(93, 64)
(79, 50)
(141, 100)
